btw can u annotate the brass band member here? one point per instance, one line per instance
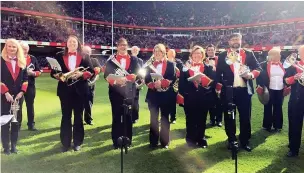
(294, 78)
(135, 111)
(72, 97)
(33, 71)
(178, 67)
(118, 88)
(272, 78)
(198, 97)
(216, 112)
(97, 69)
(13, 86)
(158, 97)
(237, 84)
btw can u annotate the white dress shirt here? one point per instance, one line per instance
(13, 62)
(123, 63)
(276, 77)
(72, 62)
(159, 68)
(238, 80)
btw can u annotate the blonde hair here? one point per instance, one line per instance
(196, 47)
(162, 48)
(19, 54)
(277, 50)
(171, 52)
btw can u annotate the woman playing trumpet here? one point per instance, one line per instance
(196, 95)
(158, 96)
(72, 97)
(13, 86)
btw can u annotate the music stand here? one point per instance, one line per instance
(123, 141)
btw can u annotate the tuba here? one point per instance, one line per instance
(291, 60)
(15, 107)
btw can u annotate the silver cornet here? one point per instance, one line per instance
(15, 107)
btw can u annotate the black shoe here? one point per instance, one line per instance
(267, 129)
(115, 147)
(292, 154)
(77, 148)
(6, 151)
(165, 147)
(247, 148)
(173, 122)
(32, 128)
(14, 150)
(277, 130)
(203, 144)
(64, 149)
(232, 145)
(135, 121)
(153, 146)
(219, 124)
(212, 123)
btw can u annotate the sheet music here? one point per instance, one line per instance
(4, 119)
(54, 63)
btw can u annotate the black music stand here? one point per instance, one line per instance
(123, 141)
(231, 113)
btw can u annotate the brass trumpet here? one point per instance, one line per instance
(69, 75)
(291, 60)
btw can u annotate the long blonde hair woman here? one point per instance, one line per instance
(13, 86)
(9, 50)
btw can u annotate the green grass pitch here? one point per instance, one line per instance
(39, 152)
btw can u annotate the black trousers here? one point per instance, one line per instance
(196, 115)
(88, 106)
(10, 131)
(161, 135)
(29, 97)
(135, 110)
(295, 124)
(172, 106)
(273, 113)
(216, 111)
(74, 103)
(120, 127)
(242, 100)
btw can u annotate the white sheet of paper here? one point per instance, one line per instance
(114, 77)
(4, 119)
(54, 64)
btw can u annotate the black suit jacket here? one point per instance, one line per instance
(8, 84)
(297, 90)
(81, 87)
(161, 97)
(118, 91)
(33, 62)
(225, 75)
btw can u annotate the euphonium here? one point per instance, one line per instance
(291, 60)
